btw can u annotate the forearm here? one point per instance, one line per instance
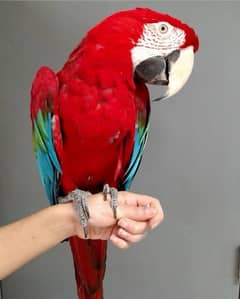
(27, 238)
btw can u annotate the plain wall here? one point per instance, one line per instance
(191, 160)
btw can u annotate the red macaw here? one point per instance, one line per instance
(90, 120)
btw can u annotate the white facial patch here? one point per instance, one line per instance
(158, 39)
(180, 71)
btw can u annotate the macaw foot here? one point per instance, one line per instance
(79, 199)
(113, 192)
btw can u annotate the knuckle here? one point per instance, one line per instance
(143, 212)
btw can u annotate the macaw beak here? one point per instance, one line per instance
(171, 71)
(155, 70)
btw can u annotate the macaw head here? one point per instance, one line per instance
(164, 53)
(153, 47)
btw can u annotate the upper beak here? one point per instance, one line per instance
(155, 70)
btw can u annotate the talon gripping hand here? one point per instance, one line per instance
(90, 120)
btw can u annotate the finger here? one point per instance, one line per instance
(158, 217)
(119, 242)
(130, 238)
(154, 222)
(136, 213)
(133, 227)
(134, 199)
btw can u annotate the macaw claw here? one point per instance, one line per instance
(79, 199)
(113, 192)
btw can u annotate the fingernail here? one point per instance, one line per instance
(154, 225)
(113, 238)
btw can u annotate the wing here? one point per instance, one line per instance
(45, 130)
(141, 134)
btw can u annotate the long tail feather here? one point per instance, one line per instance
(89, 258)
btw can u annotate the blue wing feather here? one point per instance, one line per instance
(44, 93)
(47, 161)
(141, 135)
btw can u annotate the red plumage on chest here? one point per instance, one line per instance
(98, 127)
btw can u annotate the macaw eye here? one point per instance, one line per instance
(163, 28)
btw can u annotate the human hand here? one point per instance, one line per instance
(140, 213)
(136, 215)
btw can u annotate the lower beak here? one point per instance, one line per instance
(155, 70)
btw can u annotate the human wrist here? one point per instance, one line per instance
(100, 218)
(94, 205)
(73, 224)
(69, 219)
